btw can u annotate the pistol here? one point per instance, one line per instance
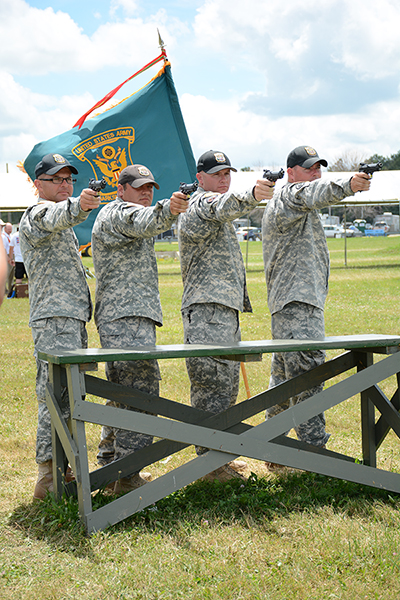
(188, 188)
(273, 175)
(370, 168)
(97, 185)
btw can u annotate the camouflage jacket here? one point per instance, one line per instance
(125, 262)
(296, 258)
(57, 281)
(211, 260)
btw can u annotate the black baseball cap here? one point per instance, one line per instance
(213, 161)
(51, 164)
(136, 176)
(304, 156)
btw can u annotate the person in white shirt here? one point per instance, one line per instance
(16, 257)
(6, 236)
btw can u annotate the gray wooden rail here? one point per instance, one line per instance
(226, 434)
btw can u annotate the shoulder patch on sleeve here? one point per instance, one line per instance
(302, 184)
(209, 196)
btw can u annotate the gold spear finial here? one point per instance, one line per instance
(160, 41)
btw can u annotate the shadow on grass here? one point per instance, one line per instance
(256, 503)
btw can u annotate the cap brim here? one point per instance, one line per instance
(307, 164)
(58, 168)
(220, 168)
(137, 183)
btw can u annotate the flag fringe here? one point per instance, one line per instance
(21, 167)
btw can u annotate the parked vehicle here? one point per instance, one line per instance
(356, 232)
(254, 234)
(337, 231)
(333, 231)
(382, 225)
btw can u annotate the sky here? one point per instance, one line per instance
(255, 79)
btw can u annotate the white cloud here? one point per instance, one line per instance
(29, 117)
(251, 140)
(369, 45)
(37, 42)
(360, 35)
(129, 7)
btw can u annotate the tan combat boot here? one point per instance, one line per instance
(224, 473)
(127, 484)
(238, 465)
(44, 482)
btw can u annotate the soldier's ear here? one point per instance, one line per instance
(290, 174)
(120, 190)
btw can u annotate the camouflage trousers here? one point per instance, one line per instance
(142, 375)
(48, 334)
(298, 320)
(214, 382)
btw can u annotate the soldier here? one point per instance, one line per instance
(59, 297)
(296, 261)
(214, 284)
(128, 307)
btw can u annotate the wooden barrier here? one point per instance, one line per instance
(226, 434)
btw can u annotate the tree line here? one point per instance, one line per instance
(350, 161)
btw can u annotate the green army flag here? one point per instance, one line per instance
(146, 128)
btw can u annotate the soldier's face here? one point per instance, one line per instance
(297, 174)
(142, 195)
(55, 192)
(215, 182)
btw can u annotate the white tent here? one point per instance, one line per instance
(17, 192)
(385, 185)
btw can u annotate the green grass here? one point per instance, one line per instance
(297, 536)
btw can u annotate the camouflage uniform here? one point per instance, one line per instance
(128, 306)
(59, 296)
(296, 262)
(214, 291)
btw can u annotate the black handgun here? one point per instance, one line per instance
(273, 175)
(370, 168)
(188, 188)
(97, 184)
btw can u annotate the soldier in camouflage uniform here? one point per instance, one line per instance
(59, 297)
(128, 307)
(214, 282)
(296, 262)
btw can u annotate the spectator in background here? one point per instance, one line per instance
(6, 237)
(15, 257)
(3, 270)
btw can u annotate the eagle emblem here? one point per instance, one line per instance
(111, 162)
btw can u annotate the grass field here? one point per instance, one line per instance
(278, 537)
